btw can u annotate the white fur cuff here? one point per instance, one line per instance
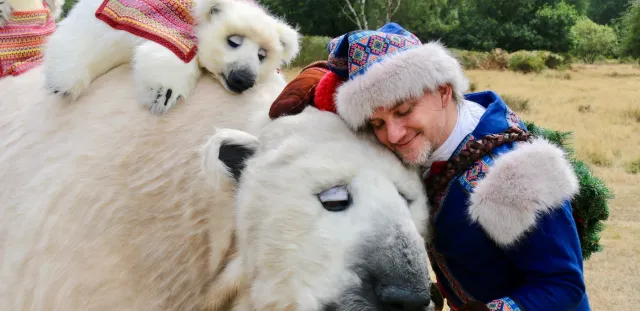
(403, 75)
(522, 184)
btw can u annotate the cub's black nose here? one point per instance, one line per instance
(241, 80)
(396, 298)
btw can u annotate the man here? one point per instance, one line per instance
(502, 232)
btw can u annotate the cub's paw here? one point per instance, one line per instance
(62, 88)
(5, 12)
(161, 78)
(159, 99)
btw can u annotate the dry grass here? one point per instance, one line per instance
(606, 135)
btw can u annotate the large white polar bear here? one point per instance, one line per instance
(105, 207)
(238, 42)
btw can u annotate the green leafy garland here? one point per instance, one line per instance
(590, 206)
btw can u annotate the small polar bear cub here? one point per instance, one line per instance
(239, 43)
(325, 220)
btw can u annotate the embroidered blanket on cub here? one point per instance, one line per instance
(22, 39)
(166, 22)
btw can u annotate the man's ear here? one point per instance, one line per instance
(446, 94)
(226, 153)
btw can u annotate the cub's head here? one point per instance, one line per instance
(326, 220)
(240, 43)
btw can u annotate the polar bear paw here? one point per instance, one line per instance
(162, 79)
(159, 99)
(5, 12)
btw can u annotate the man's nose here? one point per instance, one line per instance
(395, 131)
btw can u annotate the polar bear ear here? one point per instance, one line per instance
(204, 10)
(289, 38)
(226, 152)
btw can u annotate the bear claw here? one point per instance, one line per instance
(160, 100)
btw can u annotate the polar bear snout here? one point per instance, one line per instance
(399, 298)
(240, 80)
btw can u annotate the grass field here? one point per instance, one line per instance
(600, 104)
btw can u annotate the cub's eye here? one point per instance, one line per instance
(262, 53)
(335, 199)
(214, 10)
(235, 41)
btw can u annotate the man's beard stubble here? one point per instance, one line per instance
(420, 158)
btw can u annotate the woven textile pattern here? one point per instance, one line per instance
(22, 39)
(351, 54)
(166, 22)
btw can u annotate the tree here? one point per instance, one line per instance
(593, 40)
(604, 12)
(630, 31)
(355, 10)
(391, 8)
(552, 24)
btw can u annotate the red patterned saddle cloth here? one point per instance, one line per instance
(166, 22)
(22, 40)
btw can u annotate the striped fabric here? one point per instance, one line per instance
(22, 39)
(166, 22)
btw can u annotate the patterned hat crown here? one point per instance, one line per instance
(352, 53)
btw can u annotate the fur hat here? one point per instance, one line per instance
(371, 69)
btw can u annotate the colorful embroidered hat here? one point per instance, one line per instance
(382, 67)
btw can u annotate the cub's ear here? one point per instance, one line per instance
(205, 10)
(226, 152)
(290, 40)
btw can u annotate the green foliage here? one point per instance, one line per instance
(630, 31)
(552, 60)
(593, 40)
(552, 24)
(590, 206)
(605, 12)
(526, 62)
(312, 48)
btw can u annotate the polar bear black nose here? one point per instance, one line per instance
(397, 298)
(241, 80)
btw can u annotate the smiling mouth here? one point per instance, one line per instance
(408, 142)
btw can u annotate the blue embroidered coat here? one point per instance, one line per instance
(504, 231)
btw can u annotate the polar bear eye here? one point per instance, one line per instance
(262, 53)
(335, 199)
(214, 10)
(234, 41)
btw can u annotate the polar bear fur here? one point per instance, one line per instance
(85, 47)
(106, 207)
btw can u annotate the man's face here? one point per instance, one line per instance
(414, 128)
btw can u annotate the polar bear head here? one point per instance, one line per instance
(326, 220)
(240, 43)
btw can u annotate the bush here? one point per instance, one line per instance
(552, 60)
(312, 48)
(526, 62)
(494, 60)
(593, 41)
